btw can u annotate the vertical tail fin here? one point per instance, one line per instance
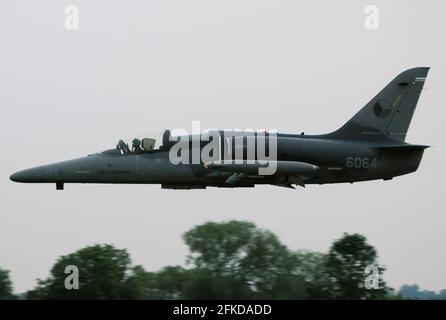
(389, 113)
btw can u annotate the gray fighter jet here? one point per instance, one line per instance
(369, 146)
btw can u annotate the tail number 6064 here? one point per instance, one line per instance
(360, 163)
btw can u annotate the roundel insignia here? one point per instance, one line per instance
(382, 108)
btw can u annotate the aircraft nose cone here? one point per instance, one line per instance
(15, 177)
(29, 175)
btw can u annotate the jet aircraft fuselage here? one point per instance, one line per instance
(368, 147)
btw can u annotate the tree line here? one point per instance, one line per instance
(228, 260)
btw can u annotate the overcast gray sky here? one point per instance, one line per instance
(138, 66)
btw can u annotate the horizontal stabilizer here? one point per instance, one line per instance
(403, 147)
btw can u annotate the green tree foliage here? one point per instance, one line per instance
(313, 270)
(5, 286)
(229, 260)
(104, 272)
(346, 262)
(410, 291)
(166, 284)
(414, 292)
(237, 260)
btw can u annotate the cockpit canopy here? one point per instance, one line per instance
(145, 144)
(138, 145)
(142, 145)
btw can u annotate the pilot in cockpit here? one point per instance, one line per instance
(147, 144)
(123, 147)
(136, 145)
